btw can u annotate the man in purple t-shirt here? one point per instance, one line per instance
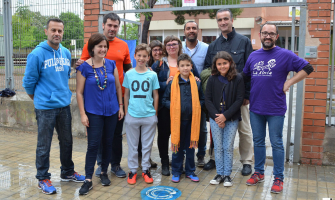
(268, 69)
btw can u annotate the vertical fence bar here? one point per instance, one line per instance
(8, 40)
(331, 86)
(289, 128)
(140, 33)
(300, 88)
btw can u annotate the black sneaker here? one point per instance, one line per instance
(227, 181)
(246, 171)
(210, 165)
(201, 161)
(86, 187)
(104, 179)
(217, 180)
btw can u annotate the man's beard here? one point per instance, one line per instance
(268, 46)
(192, 39)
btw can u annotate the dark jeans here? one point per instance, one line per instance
(116, 146)
(202, 136)
(178, 158)
(47, 120)
(164, 132)
(100, 131)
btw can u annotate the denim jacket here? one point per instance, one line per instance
(163, 73)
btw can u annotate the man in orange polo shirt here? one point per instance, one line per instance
(119, 52)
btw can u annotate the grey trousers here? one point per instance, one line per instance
(132, 126)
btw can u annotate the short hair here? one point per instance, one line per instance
(183, 57)
(54, 20)
(153, 44)
(112, 16)
(190, 22)
(232, 72)
(95, 40)
(223, 10)
(142, 47)
(269, 24)
(170, 39)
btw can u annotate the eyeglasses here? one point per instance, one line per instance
(265, 34)
(174, 45)
(157, 50)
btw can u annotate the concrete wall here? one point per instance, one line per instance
(18, 112)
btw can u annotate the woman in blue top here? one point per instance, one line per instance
(98, 96)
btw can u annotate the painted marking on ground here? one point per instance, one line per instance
(160, 192)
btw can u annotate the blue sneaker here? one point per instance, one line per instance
(193, 177)
(118, 171)
(75, 177)
(175, 179)
(98, 171)
(46, 187)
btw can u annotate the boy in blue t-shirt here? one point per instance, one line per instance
(141, 104)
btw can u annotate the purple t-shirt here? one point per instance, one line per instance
(268, 70)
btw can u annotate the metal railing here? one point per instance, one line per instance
(28, 19)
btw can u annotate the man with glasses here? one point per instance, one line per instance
(268, 69)
(239, 47)
(197, 51)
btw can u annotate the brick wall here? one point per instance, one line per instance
(314, 118)
(91, 12)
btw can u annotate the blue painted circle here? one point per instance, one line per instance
(160, 192)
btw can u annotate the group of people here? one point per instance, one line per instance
(176, 86)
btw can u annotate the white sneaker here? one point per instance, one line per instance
(227, 182)
(217, 180)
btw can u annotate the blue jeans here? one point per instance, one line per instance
(47, 121)
(116, 152)
(202, 136)
(100, 131)
(224, 145)
(258, 126)
(178, 158)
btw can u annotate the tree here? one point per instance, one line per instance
(180, 19)
(132, 32)
(73, 29)
(22, 27)
(144, 4)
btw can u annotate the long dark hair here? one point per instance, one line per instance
(232, 72)
(153, 44)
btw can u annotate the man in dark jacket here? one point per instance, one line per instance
(240, 48)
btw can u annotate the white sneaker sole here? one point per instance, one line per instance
(227, 184)
(214, 182)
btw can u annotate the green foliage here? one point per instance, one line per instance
(132, 31)
(28, 28)
(180, 19)
(73, 29)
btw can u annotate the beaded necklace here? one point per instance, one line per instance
(97, 78)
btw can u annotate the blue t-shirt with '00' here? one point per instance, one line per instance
(268, 70)
(140, 86)
(96, 101)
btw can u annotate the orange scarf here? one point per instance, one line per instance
(175, 113)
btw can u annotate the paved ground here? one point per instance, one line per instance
(17, 176)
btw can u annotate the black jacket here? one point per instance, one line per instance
(185, 98)
(238, 46)
(234, 92)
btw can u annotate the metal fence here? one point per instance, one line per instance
(29, 18)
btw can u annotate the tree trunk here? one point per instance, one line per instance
(146, 26)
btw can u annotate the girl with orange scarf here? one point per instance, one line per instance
(184, 97)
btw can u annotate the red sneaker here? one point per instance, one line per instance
(255, 178)
(277, 186)
(147, 177)
(131, 178)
